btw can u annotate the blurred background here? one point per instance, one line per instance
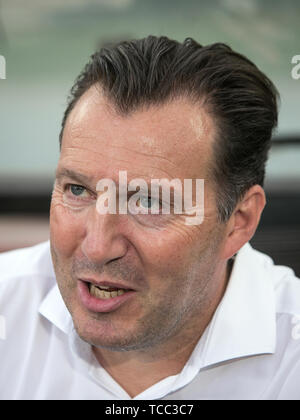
(46, 44)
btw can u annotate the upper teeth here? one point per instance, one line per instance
(96, 292)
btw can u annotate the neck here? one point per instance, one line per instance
(137, 370)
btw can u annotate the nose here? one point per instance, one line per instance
(104, 240)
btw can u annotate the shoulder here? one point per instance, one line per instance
(286, 297)
(27, 270)
(285, 283)
(25, 261)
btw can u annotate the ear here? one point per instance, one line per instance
(244, 221)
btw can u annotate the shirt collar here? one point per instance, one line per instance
(244, 323)
(54, 309)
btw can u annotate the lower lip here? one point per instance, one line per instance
(100, 305)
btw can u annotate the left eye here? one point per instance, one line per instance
(145, 202)
(148, 202)
(77, 190)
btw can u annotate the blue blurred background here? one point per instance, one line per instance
(46, 44)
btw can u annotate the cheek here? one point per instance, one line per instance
(168, 252)
(66, 227)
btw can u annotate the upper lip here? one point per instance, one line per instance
(106, 283)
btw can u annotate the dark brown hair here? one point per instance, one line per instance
(240, 98)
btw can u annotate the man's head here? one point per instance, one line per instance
(158, 109)
(241, 100)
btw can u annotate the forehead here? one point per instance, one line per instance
(173, 139)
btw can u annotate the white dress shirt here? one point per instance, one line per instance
(250, 349)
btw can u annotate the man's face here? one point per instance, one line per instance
(173, 269)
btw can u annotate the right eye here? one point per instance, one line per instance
(76, 190)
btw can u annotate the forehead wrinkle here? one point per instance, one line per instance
(80, 162)
(79, 137)
(123, 160)
(145, 154)
(112, 146)
(83, 149)
(152, 176)
(131, 173)
(148, 155)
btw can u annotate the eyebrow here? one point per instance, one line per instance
(78, 177)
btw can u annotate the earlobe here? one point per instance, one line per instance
(244, 220)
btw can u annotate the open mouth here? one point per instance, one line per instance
(104, 292)
(104, 297)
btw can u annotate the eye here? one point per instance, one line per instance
(148, 203)
(145, 202)
(77, 190)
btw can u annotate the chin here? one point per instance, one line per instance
(102, 333)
